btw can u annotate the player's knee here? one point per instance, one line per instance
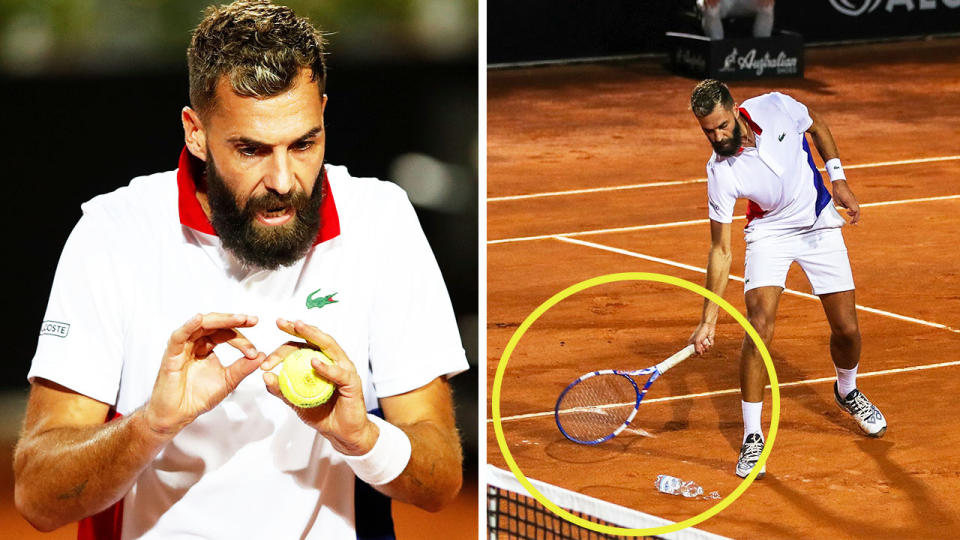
(764, 326)
(846, 332)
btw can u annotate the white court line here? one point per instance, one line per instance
(699, 180)
(737, 390)
(694, 222)
(738, 278)
(605, 231)
(596, 190)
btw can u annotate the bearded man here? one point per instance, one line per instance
(142, 420)
(760, 153)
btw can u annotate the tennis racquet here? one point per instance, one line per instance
(599, 405)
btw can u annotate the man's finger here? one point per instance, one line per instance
(273, 385)
(276, 357)
(315, 336)
(211, 322)
(181, 335)
(228, 320)
(241, 343)
(338, 375)
(241, 368)
(205, 341)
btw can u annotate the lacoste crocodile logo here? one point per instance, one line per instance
(780, 138)
(321, 301)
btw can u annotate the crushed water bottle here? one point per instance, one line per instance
(675, 486)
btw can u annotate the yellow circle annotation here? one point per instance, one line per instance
(635, 276)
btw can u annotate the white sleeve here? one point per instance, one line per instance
(796, 111)
(413, 331)
(721, 196)
(81, 337)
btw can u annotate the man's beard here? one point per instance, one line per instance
(253, 243)
(730, 146)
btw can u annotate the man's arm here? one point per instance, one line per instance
(718, 273)
(69, 464)
(432, 476)
(822, 137)
(827, 147)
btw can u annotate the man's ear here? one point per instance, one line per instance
(193, 134)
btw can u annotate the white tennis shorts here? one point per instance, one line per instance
(820, 253)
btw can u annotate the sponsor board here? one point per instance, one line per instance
(841, 20)
(782, 63)
(856, 8)
(737, 59)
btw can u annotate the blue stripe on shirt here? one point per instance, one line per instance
(823, 196)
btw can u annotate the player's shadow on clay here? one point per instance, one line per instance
(930, 516)
(817, 400)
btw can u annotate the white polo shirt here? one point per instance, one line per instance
(143, 259)
(778, 176)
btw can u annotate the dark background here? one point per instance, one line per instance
(87, 116)
(535, 30)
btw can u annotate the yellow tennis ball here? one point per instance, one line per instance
(300, 383)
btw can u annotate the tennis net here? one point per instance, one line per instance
(513, 514)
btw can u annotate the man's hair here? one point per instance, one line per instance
(258, 46)
(707, 95)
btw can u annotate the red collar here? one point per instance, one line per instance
(753, 125)
(192, 215)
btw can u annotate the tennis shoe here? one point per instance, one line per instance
(749, 454)
(866, 414)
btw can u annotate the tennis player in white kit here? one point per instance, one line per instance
(761, 154)
(140, 425)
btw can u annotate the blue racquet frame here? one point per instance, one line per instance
(654, 371)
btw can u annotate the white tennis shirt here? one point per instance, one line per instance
(143, 259)
(778, 176)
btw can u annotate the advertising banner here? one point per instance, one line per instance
(838, 20)
(737, 59)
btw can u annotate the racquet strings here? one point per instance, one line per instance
(595, 407)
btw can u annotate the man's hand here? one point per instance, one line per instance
(843, 195)
(192, 380)
(343, 419)
(702, 337)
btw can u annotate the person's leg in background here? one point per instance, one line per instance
(763, 22)
(711, 13)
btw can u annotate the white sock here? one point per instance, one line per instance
(846, 380)
(751, 417)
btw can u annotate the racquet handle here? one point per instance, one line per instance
(680, 356)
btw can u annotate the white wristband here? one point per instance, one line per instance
(835, 169)
(388, 457)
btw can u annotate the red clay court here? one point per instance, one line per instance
(599, 168)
